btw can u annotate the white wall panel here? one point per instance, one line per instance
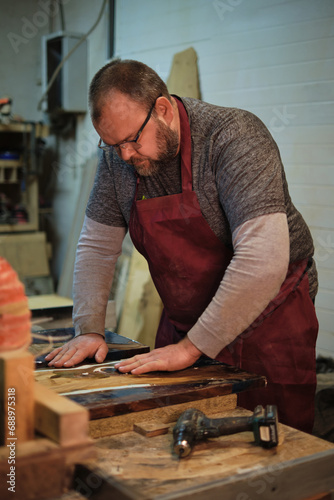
(276, 59)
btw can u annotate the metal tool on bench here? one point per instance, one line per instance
(193, 426)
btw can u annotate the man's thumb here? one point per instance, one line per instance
(101, 353)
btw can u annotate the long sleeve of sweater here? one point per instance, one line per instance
(98, 249)
(252, 279)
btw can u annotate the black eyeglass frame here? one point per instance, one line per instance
(135, 140)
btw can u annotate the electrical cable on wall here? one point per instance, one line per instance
(62, 16)
(61, 64)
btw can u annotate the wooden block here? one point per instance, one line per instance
(142, 306)
(17, 396)
(43, 469)
(37, 476)
(166, 414)
(42, 130)
(183, 78)
(151, 429)
(58, 418)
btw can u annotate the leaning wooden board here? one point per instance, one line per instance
(107, 393)
(131, 466)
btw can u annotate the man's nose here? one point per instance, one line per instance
(127, 153)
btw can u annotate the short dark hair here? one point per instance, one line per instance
(133, 78)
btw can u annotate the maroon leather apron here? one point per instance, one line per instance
(187, 263)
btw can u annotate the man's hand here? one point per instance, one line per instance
(170, 358)
(78, 349)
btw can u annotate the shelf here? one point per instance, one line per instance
(9, 171)
(19, 127)
(41, 130)
(20, 137)
(17, 228)
(10, 164)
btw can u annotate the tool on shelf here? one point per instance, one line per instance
(5, 109)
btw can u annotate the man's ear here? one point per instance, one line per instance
(165, 110)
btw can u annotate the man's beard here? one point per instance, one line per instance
(167, 145)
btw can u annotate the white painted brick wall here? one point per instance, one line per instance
(276, 59)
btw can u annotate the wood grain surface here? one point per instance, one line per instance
(105, 392)
(223, 467)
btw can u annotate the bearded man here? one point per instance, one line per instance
(202, 191)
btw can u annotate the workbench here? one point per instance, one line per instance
(133, 439)
(129, 455)
(133, 466)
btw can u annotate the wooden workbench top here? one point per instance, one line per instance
(229, 467)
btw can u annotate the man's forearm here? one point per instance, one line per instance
(251, 281)
(98, 249)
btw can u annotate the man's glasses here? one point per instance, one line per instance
(134, 142)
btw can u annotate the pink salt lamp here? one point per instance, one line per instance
(15, 326)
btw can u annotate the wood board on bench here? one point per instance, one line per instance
(105, 392)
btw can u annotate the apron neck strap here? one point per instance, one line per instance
(185, 146)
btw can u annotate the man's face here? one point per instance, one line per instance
(167, 143)
(120, 121)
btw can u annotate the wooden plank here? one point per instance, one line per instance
(42, 469)
(124, 400)
(151, 429)
(105, 392)
(42, 446)
(142, 306)
(103, 377)
(184, 79)
(17, 396)
(164, 414)
(60, 419)
(48, 301)
(37, 477)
